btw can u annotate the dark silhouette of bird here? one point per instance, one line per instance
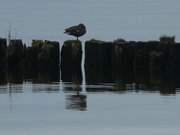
(77, 31)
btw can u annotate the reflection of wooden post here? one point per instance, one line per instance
(71, 57)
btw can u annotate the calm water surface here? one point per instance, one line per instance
(47, 109)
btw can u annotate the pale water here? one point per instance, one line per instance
(46, 109)
(105, 19)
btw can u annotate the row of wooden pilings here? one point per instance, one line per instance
(105, 62)
(123, 62)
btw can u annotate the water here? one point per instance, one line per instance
(105, 19)
(47, 109)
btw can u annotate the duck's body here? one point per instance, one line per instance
(77, 31)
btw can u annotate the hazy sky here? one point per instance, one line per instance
(105, 19)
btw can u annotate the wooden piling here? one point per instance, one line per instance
(71, 58)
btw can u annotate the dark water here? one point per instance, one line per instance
(65, 108)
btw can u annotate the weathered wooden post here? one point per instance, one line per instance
(117, 60)
(44, 62)
(34, 52)
(98, 61)
(71, 57)
(122, 61)
(155, 67)
(15, 61)
(29, 65)
(3, 53)
(49, 62)
(141, 61)
(170, 61)
(3, 61)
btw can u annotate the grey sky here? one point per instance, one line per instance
(105, 19)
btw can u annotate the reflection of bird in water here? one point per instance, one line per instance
(77, 31)
(76, 102)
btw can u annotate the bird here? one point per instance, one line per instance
(77, 30)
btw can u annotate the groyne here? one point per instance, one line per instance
(120, 61)
(124, 62)
(38, 63)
